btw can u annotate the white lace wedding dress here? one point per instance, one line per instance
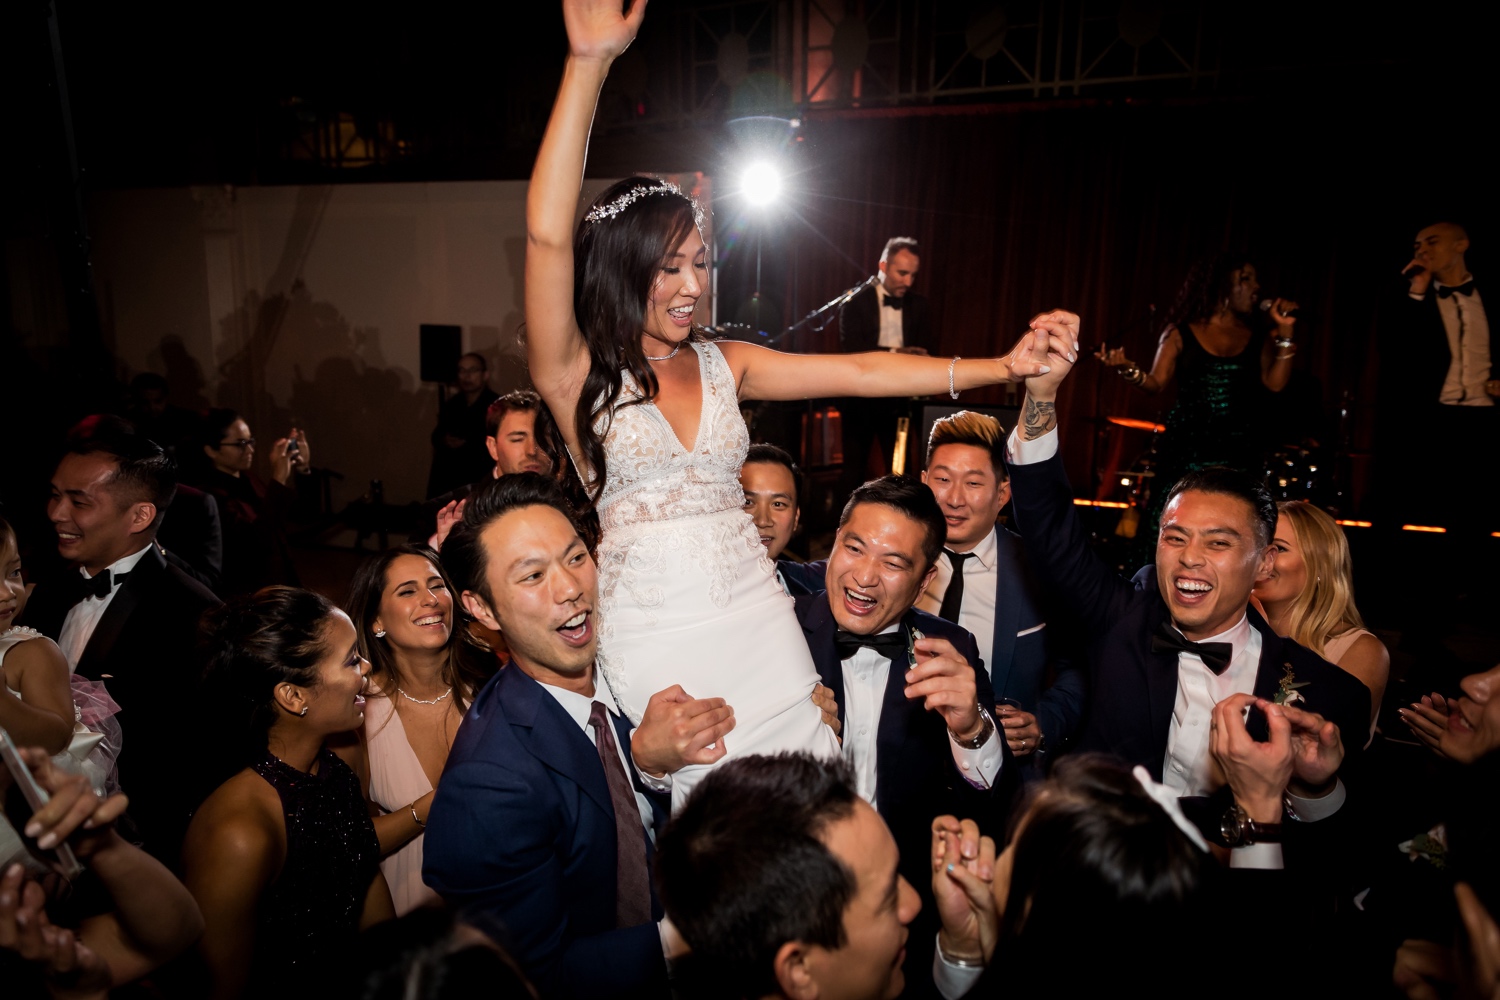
(686, 593)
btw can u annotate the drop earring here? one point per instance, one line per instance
(304, 710)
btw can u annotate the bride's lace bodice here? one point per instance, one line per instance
(651, 477)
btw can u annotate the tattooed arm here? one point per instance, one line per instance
(1037, 418)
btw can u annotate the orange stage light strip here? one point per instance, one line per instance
(1424, 527)
(1101, 503)
(1356, 524)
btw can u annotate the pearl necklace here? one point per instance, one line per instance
(425, 701)
(667, 357)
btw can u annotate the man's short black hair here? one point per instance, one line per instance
(909, 497)
(146, 473)
(896, 244)
(1223, 480)
(743, 869)
(769, 454)
(517, 399)
(484, 363)
(463, 551)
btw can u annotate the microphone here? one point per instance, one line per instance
(1266, 304)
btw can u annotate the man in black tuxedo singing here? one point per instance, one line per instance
(1438, 401)
(124, 615)
(885, 315)
(1162, 658)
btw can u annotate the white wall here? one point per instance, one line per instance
(301, 305)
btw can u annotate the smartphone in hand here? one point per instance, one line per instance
(22, 801)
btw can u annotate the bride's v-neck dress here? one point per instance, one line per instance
(686, 593)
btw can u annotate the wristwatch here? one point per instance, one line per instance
(1239, 830)
(987, 726)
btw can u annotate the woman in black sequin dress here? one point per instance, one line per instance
(1223, 366)
(282, 857)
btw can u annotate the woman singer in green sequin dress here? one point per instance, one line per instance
(1223, 367)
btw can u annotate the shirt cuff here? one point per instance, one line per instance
(1312, 810)
(1267, 856)
(952, 980)
(651, 781)
(1415, 297)
(1018, 452)
(981, 766)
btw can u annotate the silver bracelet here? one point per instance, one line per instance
(952, 392)
(1283, 342)
(413, 808)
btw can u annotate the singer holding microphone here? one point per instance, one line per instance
(884, 315)
(1224, 366)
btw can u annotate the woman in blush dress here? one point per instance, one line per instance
(1309, 597)
(424, 672)
(649, 410)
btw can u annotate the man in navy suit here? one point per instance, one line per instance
(912, 693)
(994, 595)
(1162, 657)
(542, 822)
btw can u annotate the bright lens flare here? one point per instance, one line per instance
(761, 183)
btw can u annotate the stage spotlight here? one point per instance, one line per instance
(760, 183)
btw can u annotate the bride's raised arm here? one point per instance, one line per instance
(555, 349)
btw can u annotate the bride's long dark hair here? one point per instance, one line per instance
(616, 262)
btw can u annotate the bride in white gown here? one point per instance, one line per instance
(650, 413)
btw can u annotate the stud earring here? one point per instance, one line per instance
(380, 633)
(304, 710)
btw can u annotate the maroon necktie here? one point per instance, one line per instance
(632, 883)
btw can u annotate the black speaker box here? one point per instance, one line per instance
(441, 347)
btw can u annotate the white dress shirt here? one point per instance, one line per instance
(865, 676)
(82, 618)
(578, 708)
(1468, 329)
(891, 336)
(977, 613)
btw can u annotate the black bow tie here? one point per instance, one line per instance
(1467, 288)
(1215, 655)
(891, 302)
(97, 586)
(888, 644)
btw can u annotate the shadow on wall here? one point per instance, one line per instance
(184, 374)
(503, 344)
(363, 420)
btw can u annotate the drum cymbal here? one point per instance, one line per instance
(1136, 424)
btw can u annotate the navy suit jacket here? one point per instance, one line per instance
(1132, 688)
(801, 577)
(522, 832)
(1018, 663)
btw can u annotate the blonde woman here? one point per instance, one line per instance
(1309, 597)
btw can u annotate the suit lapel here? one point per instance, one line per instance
(1161, 675)
(893, 707)
(818, 628)
(551, 734)
(1007, 613)
(138, 583)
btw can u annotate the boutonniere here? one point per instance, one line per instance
(1288, 692)
(1431, 847)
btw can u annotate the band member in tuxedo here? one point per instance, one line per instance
(1438, 387)
(884, 316)
(1162, 657)
(124, 615)
(913, 695)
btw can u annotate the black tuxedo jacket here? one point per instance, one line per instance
(523, 830)
(145, 649)
(859, 322)
(801, 577)
(1420, 373)
(1132, 689)
(192, 537)
(916, 779)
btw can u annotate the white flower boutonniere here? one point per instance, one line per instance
(1289, 691)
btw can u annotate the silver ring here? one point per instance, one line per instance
(712, 745)
(1023, 744)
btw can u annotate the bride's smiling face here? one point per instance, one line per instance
(674, 295)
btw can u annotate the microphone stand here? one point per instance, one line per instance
(825, 310)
